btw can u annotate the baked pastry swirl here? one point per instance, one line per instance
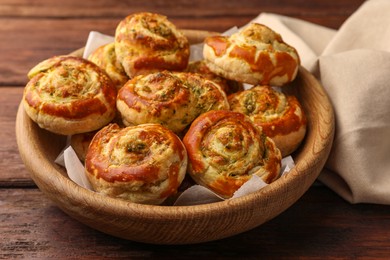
(256, 55)
(69, 95)
(172, 99)
(200, 67)
(80, 143)
(280, 116)
(105, 58)
(148, 42)
(225, 149)
(144, 164)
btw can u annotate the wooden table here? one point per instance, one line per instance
(319, 225)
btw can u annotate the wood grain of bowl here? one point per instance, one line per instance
(182, 224)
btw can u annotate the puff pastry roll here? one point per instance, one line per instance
(200, 67)
(69, 95)
(148, 42)
(80, 143)
(225, 149)
(144, 164)
(256, 55)
(280, 116)
(105, 58)
(172, 99)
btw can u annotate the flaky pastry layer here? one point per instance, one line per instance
(225, 149)
(143, 164)
(280, 116)
(255, 55)
(147, 42)
(105, 58)
(172, 99)
(200, 67)
(69, 95)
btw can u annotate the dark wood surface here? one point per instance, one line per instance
(320, 225)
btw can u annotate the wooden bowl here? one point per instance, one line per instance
(182, 224)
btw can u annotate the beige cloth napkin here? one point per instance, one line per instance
(353, 65)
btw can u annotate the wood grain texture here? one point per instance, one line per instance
(183, 225)
(34, 32)
(12, 173)
(180, 8)
(318, 226)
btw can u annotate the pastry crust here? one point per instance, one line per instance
(200, 67)
(280, 116)
(148, 42)
(105, 58)
(256, 55)
(172, 99)
(69, 95)
(80, 143)
(144, 164)
(225, 149)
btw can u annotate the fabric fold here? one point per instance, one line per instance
(353, 65)
(357, 83)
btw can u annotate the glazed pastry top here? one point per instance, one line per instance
(147, 42)
(69, 87)
(225, 148)
(275, 112)
(256, 55)
(173, 99)
(105, 58)
(144, 163)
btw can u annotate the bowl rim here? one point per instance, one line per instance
(76, 190)
(54, 185)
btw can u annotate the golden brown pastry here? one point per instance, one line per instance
(256, 55)
(144, 164)
(148, 42)
(225, 149)
(105, 58)
(80, 143)
(229, 86)
(69, 95)
(280, 116)
(172, 99)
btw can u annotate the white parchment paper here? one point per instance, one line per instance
(194, 195)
